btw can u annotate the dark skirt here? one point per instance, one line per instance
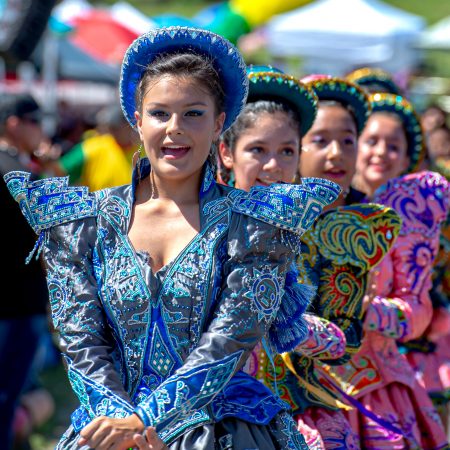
(228, 434)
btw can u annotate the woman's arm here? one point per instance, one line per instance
(406, 313)
(85, 338)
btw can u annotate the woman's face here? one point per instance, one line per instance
(177, 126)
(329, 148)
(382, 150)
(265, 153)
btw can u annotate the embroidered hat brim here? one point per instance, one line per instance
(414, 134)
(275, 85)
(345, 92)
(374, 80)
(224, 56)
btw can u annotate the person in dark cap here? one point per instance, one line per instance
(23, 296)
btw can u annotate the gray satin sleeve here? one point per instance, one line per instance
(251, 293)
(78, 316)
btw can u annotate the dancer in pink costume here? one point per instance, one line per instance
(340, 280)
(398, 308)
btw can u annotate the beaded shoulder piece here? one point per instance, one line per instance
(421, 199)
(51, 201)
(342, 247)
(292, 207)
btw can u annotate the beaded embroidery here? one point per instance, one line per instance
(50, 202)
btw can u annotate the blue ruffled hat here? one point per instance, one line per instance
(269, 83)
(225, 58)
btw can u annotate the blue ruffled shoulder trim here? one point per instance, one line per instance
(292, 207)
(50, 201)
(289, 328)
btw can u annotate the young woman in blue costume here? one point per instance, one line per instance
(162, 288)
(261, 147)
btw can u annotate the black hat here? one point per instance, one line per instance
(23, 106)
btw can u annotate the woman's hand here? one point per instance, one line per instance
(149, 441)
(105, 433)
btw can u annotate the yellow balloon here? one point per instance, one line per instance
(257, 12)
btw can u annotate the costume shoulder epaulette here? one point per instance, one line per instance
(421, 199)
(292, 207)
(359, 235)
(50, 201)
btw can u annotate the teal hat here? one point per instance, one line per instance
(268, 83)
(224, 56)
(343, 91)
(382, 102)
(374, 80)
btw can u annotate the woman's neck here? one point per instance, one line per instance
(362, 185)
(179, 191)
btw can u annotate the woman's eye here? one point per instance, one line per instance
(393, 148)
(157, 113)
(287, 151)
(370, 141)
(256, 150)
(349, 141)
(319, 141)
(195, 113)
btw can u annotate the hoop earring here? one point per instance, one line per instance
(153, 188)
(136, 161)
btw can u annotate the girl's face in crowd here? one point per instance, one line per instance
(330, 147)
(266, 153)
(177, 126)
(382, 150)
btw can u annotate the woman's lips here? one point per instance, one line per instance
(378, 167)
(335, 173)
(174, 152)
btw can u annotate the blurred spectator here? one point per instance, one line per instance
(74, 125)
(103, 160)
(438, 143)
(24, 292)
(433, 117)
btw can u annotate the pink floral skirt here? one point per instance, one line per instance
(325, 429)
(409, 410)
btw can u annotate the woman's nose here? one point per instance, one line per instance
(334, 150)
(174, 125)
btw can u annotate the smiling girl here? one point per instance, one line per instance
(161, 289)
(259, 149)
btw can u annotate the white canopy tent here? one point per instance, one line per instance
(335, 36)
(437, 36)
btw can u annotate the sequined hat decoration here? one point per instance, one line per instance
(225, 58)
(268, 83)
(399, 105)
(374, 80)
(343, 91)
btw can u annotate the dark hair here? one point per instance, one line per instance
(247, 119)
(346, 106)
(183, 65)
